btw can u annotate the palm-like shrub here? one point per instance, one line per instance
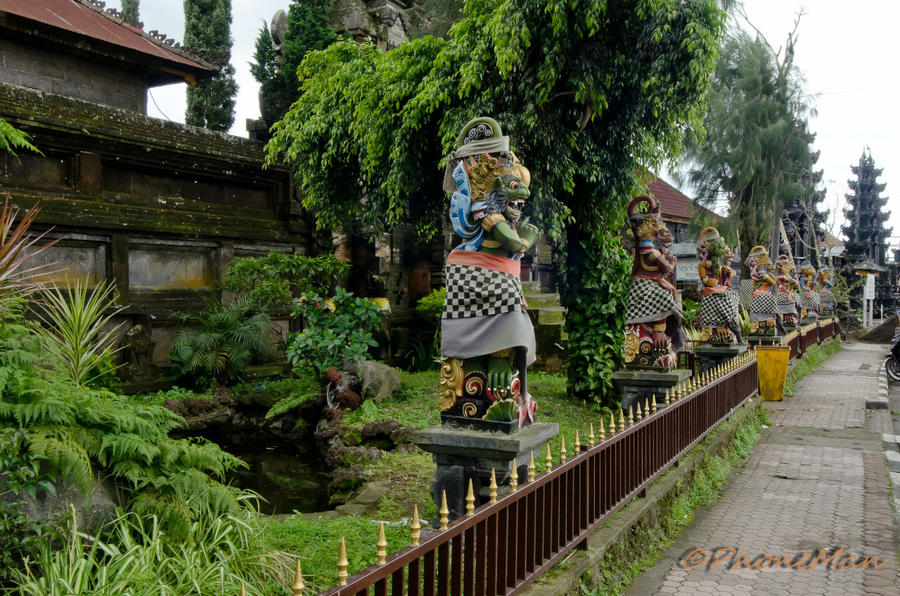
(78, 327)
(222, 340)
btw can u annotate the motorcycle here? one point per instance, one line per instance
(892, 362)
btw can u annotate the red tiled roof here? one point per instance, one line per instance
(672, 202)
(81, 18)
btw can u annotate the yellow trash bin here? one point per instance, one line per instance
(771, 369)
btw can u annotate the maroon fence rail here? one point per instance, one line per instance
(809, 337)
(506, 545)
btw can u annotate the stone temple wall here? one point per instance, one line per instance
(60, 73)
(160, 208)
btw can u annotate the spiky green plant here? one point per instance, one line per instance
(135, 555)
(78, 327)
(222, 340)
(16, 246)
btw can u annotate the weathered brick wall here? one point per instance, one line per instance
(56, 72)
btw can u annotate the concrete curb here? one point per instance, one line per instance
(620, 537)
(892, 453)
(880, 402)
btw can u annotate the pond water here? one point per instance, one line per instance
(290, 478)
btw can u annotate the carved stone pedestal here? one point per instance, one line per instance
(462, 454)
(764, 340)
(711, 355)
(640, 385)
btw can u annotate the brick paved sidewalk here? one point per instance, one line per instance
(817, 479)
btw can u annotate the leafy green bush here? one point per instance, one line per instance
(221, 341)
(277, 278)
(78, 330)
(432, 305)
(21, 475)
(425, 356)
(342, 327)
(691, 310)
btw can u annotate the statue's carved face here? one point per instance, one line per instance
(664, 238)
(785, 267)
(512, 190)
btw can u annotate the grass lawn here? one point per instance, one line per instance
(408, 471)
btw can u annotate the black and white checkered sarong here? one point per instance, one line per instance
(648, 302)
(763, 304)
(719, 309)
(811, 303)
(478, 292)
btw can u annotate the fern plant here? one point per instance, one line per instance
(78, 329)
(79, 432)
(222, 340)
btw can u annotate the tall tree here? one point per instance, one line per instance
(276, 61)
(865, 214)
(130, 12)
(207, 29)
(756, 151)
(591, 93)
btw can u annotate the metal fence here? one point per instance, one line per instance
(503, 546)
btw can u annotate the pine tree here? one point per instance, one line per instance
(865, 214)
(130, 12)
(308, 29)
(756, 149)
(207, 28)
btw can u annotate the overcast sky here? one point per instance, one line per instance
(845, 50)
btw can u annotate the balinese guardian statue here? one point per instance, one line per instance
(487, 339)
(653, 332)
(824, 283)
(718, 302)
(809, 298)
(763, 308)
(785, 284)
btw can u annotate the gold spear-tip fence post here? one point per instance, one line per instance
(562, 449)
(531, 467)
(298, 587)
(577, 443)
(416, 534)
(548, 460)
(343, 564)
(493, 487)
(381, 545)
(470, 500)
(444, 511)
(514, 477)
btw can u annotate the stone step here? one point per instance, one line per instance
(531, 286)
(542, 300)
(550, 315)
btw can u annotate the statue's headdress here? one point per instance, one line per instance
(706, 235)
(642, 208)
(757, 253)
(482, 155)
